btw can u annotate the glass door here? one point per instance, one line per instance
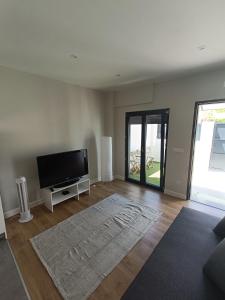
(207, 175)
(146, 140)
(134, 147)
(155, 147)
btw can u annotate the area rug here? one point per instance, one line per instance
(81, 251)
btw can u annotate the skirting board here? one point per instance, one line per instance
(119, 177)
(175, 194)
(166, 191)
(11, 212)
(15, 211)
(94, 180)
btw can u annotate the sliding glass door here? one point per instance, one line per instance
(135, 147)
(207, 169)
(146, 137)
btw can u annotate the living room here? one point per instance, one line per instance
(101, 106)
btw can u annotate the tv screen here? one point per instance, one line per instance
(57, 168)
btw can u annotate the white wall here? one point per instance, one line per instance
(179, 95)
(140, 94)
(40, 116)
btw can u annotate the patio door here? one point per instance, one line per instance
(207, 165)
(146, 141)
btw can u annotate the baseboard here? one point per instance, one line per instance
(15, 211)
(11, 212)
(94, 180)
(175, 194)
(119, 177)
(114, 177)
(168, 192)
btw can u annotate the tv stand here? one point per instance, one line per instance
(65, 184)
(53, 196)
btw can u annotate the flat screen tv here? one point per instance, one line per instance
(62, 168)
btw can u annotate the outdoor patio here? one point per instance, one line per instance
(152, 168)
(208, 174)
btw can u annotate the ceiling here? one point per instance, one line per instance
(116, 42)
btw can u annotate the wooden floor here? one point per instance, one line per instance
(37, 280)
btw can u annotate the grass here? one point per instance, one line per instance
(153, 180)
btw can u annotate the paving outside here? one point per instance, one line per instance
(208, 178)
(208, 188)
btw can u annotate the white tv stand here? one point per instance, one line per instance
(54, 196)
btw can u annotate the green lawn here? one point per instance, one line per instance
(153, 180)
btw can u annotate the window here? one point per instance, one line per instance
(198, 131)
(159, 131)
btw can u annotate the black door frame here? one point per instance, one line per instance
(163, 154)
(192, 152)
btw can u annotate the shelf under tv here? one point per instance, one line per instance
(54, 196)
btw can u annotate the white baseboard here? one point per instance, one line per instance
(166, 191)
(175, 194)
(94, 180)
(11, 212)
(119, 177)
(114, 177)
(15, 211)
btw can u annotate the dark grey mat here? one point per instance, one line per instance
(11, 286)
(175, 269)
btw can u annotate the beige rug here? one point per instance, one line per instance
(81, 251)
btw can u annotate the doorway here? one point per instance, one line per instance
(207, 172)
(146, 144)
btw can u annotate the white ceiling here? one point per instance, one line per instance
(139, 39)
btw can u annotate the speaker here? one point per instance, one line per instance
(25, 215)
(106, 159)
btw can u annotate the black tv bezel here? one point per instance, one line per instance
(67, 179)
